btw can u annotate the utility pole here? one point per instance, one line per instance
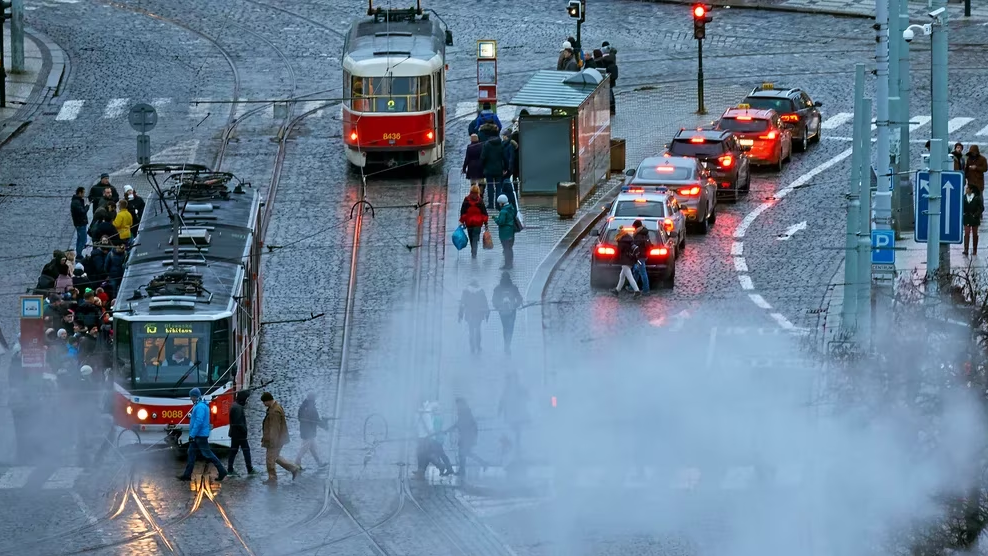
(939, 112)
(937, 151)
(883, 191)
(899, 205)
(849, 306)
(905, 157)
(864, 225)
(4, 16)
(17, 36)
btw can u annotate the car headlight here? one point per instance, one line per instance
(142, 414)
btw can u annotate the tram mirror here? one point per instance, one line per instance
(449, 38)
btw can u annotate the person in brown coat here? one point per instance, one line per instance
(274, 436)
(975, 170)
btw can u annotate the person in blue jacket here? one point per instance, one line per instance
(486, 116)
(199, 428)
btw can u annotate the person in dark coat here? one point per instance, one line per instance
(974, 206)
(627, 257)
(472, 168)
(80, 218)
(609, 63)
(96, 191)
(466, 430)
(975, 170)
(114, 267)
(51, 268)
(135, 204)
(238, 434)
(102, 226)
(486, 120)
(510, 151)
(644, 245)
(110, 197)
(507, 300)
(492, 158)
(473, 216)
(474, 310)
(309, 422)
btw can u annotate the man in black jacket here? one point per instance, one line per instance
(135, 204)
(80, 220)
(492, 159)
(96, 191)
(238, 434)
(308, 422)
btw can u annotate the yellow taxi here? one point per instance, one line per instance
(761, 131)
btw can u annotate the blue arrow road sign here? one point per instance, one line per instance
(951, 206)
(882, 247)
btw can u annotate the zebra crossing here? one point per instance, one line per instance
(61, 478)
(954, 125)
(682, 479)
(195, 109)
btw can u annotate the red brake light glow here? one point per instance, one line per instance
(635, 190)
(726, 161)
(606, 250)
(641, 200)
(353, 135)
(429, 136)
(665, 169)
(690, 191)
(668, 224)
(696, 140)
(790, 117)
(658, 252)
(771, 136)
(744, 118)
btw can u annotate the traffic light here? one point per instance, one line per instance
(701, 16)
(575, 9)
(5, 11)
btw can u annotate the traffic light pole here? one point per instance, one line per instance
(3, 72)
(700, 108)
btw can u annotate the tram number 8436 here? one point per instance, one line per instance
(392, 136)
(177, 414)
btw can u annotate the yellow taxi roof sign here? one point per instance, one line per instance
(768, 86)
(744, 106)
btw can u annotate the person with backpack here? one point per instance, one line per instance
(473, 216)
(484, 117)
(628, 257)
(507, 300)
(506, 228)
(644, 245)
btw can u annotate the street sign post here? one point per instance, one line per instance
(487, 73)
(143, 149)
(143, 117)
(952, 196)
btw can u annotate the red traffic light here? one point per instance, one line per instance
(699, 11)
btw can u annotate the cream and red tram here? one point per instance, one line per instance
(194, 325)
(394, 87)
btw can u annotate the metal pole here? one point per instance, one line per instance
(937, 151)
(894, 45)
(578, 46)
(939, 110)
(3, 72)
(17, 36)
(883, 192)
(864, 225)
(905, 84)
(700, 108)
(967, 8)
(849, 306)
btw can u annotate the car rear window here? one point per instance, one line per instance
(664, 172)
(684, 147)
(780, 105)
(611, 237)
(734, 124)
(633, 209)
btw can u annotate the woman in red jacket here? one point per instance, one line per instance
(473, 216)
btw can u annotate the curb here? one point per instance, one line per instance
(771, 8)
(543, 274)
(46, 87)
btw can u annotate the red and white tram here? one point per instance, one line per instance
(193, 324)
(394, 88)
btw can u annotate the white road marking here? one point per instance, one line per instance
(115, 108)
(242, 107)
(956, 123)
(749, 218)
(15, 477)
(787, 235)
(746, 283)
(63, 477)
(506, 114)
(917, 122)
(160, 103)
(198, 108)
(737, 249)
(738, 478)
(70, 110)
(783, 321)
(759, 301)
(984, 131)
(316, 105)
(837, 120)
(464, 109)
(740, 265)
(183, 151)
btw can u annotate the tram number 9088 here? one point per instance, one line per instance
(175, 414)
(392, 136)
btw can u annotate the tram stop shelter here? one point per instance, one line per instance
(573, 142)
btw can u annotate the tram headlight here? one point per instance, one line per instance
(130, 410)
(142, 414)
(213, 409)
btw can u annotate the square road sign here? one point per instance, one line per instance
(951, 206)
(882, 247)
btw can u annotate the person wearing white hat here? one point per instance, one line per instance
(135, 204)
(506, 228)
(561, 62)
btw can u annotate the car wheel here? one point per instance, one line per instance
(747, 182)
(713, 215)
(669, 281)
(682, 245)
(804, 145)
(781, 160)
(703, 226)
(816, 137)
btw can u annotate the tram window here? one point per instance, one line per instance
(121, 346)
(166, 356)
(395, 94)
(346, 87)
(438, 78)
(424, 92)
(219, 356)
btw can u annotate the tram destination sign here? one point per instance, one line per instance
(169, 328)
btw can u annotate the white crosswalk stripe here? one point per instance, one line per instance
(115, 108)
(916, 122)
(199, 107)
(159, 104)
(15, 477)
(956, 123)
(837, 120)
(984, 131)
(242, 107)
(70, 110)
(63, 478)
(314, 105)
(464, 109)
(485, 506)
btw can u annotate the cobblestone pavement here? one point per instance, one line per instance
(282, 50)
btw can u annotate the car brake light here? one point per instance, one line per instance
(636, 190)
(790, 117)
(690, 191)
(640, 200)
(668, 224)
(744, 118)
(353, 136)
(429, 136)
(658, 252)
(696, 140)
(665, 169)
(771, 136)
(726, 161)
(606, 250)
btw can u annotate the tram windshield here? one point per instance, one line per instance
(390, 94)
(168, 358)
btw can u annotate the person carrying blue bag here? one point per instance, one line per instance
(473, 216)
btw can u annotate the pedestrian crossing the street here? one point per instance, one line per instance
(960, 126)
(61, 478)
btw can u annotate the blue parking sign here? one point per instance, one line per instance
(883, 247)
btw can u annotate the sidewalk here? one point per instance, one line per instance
(44, 66)
(851, 8)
